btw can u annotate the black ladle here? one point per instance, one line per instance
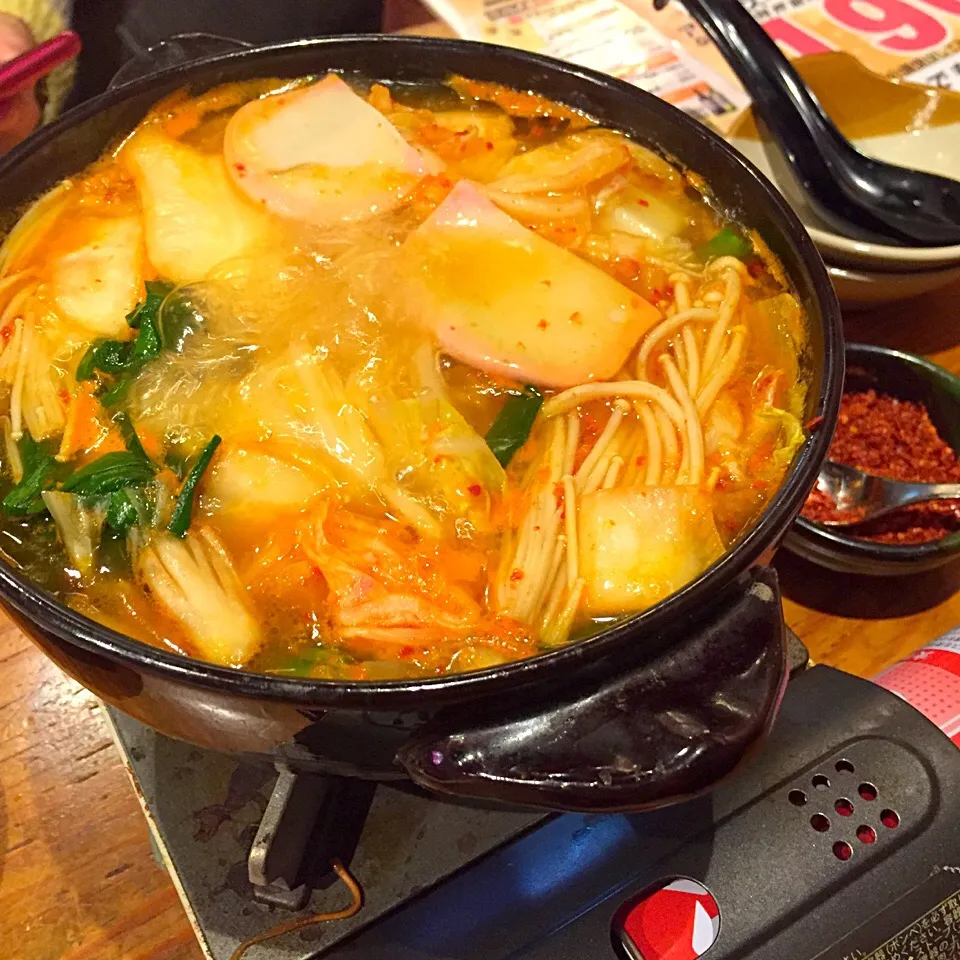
(857, 196)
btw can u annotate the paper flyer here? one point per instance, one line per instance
(666, 52)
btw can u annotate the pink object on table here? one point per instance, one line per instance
(24, 71)
(929, 680)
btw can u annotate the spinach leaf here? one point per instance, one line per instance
(123, 358)
(183, 508)
(122, 512)
(512, 427)
(107, 356)
(147, 346)
(118, 392)
(40, 472)
(157, 291)
(109, 473)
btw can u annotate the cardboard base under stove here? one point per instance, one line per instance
(204, 809)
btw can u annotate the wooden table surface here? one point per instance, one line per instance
(77, 879)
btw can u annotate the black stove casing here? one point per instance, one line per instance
(447, 881)
(783, 894)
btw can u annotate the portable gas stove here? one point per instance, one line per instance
(837, 840)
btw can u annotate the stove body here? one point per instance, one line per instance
(838, 840)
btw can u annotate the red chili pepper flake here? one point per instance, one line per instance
(640, 461)
(406, 652)
(893, 438)
(643, 203)
(475, 489)
(239, 167)
(7, 333)
(814, 424)
(489, 145)
(576, 317)
(755, 268)
(516, 574)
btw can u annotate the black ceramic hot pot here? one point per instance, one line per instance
(654, 709)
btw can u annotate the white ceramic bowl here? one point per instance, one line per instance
(867, 288)
(903, 123)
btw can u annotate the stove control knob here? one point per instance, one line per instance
(677, 921)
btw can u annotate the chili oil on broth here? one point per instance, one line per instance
(258, 383)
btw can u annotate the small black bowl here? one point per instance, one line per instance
(907, 377)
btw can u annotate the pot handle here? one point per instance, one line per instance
(180, 48)
(664, 731)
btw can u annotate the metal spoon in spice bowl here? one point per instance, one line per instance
(864, 497)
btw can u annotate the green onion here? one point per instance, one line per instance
(183, 508)
(726, 243)
(129, 434)
(514, 423)
(109, 473)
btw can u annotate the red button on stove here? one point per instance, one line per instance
(678, 921)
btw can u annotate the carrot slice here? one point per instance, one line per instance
(150, 442)
(84, 428)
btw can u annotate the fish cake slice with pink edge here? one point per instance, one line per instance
(321, 154)
(502, 298)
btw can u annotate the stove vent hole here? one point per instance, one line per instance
(820, 782)
(868, 792)
(797, 797)
(866, 834)
(820, 823)
(842, 850)
(844, 807)
(890, 819)
(844, 766)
